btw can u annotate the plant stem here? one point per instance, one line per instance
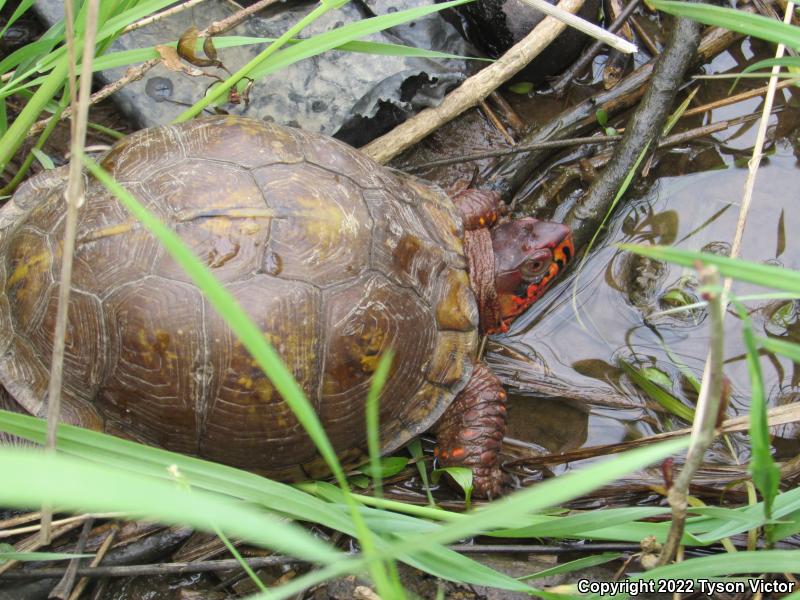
(706, 415)
(74, 198)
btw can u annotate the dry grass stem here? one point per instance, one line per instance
(758, 147)
(74, 198)
(8, 533)
(590, 29)
(34, 542)
(727, 101)
(703, 428)
(472, 91)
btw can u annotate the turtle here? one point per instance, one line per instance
(336, 258)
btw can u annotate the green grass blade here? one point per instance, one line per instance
(779, 278)
(735, 20)
(145, 460)
(778, 346)
(575, 565)
(507, 512)
(580, 524)
(659, 394)
(766, 475)
(124, 58)
(764, 561)
(373, 423)
(76, 484)
(16, 134)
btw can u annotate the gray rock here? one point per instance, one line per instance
(352, 96)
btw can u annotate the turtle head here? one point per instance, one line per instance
(528, 255)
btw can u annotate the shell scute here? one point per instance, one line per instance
(111, 247)
(362, 322)
(321, 230)
(244, 407)
(155, 347)
(218, 211)
(240, 141)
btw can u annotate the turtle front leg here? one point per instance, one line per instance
(470, 433)
(478, 208)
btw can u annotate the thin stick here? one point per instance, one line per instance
(74, 198)
(565, 143)
(63, 588)
(101, 552)
(7, 533)
(703, 431)
(19, 520)
(496, 121)
(734, 99)
(238, 17)
(473, 90)
(161, 15)
(645, 38)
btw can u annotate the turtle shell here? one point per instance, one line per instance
(334, 257)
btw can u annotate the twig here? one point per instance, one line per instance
(645, 38)
(734, 99)
(101, 552)
(161, 15)
(136, 73)
(566, 143)
(62, 590)
(514, 120)
(238, 17)
(583, 26)
(7, 533)
(496, 121)
(470, 92)
(703, 429)
(18, 520)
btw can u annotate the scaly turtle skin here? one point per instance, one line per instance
(335, 258)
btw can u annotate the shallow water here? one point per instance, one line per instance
(609, 310)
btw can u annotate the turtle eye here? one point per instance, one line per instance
(533, 268)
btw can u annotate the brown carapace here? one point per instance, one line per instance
(335, 259)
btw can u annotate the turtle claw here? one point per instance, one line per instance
(489, 483)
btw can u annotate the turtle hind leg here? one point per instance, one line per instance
(470, 433)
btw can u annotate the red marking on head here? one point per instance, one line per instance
(529, 255)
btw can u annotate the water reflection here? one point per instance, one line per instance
(612, 310)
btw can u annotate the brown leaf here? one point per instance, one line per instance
(171, 60)
(186, 49)
(208, 48)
